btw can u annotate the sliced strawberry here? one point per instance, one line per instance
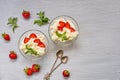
(72, 29)
(26, 40)
(60, 28)
(41, 44)
(67, 25)
(33, 35)
(37, 41)
(62, 24)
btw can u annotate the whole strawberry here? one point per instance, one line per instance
(35, 67)
(28, 71)
(66, 73)
(26, 14)
(6, 36)
(12, 55)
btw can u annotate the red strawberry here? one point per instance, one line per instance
(72, 29)
(67, 25)
(60, 28)
(6, 36)
(66, 73)
(33, 35)
(12, 55)
(35, 67)
(26, 14)
(62, 24)
(28, 71)
(26, 40)
(37, 41)
(41, 44)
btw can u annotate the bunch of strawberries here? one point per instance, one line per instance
(34, 69)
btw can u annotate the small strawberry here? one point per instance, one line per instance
(26, 40)
(35, 67)
(6, 36)
(26, 14)
(12, 55)
(33, 35)
(28, 71)
(66, 73)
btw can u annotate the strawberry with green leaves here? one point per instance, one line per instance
(6, 36)
(12, 55)
(28, 71)
(35, 67)
(66, 73)
(26, 14)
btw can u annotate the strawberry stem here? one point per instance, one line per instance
(3, 35)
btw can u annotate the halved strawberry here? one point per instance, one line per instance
(26, 39)
(33, 35)
(72, 29)
(62, 24)
(67, 25)
(41, 44)
(37, 41)
(60, 28)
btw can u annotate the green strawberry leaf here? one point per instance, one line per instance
(58, 34)
(41, 15)
(30, 50)
(45, 20)
(62, 36)
(42, 19)
(39, 22)
(13, 22)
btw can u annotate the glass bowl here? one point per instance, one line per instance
(63, 30)
(33, 44)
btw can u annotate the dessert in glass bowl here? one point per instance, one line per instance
(33, 44)
(63, 30)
